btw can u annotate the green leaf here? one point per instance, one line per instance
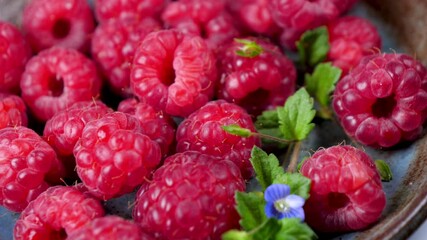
(301, 163)
(268, 230)
(294, 229)
(250, 207)
(249, 49)
(321, 83)
(313, 46)
(268, 119)
(384, 170)
(237, 130)
(296, 116)
(236, 235)
(266, 167)
(299, 184)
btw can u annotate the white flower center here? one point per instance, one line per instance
(281, 205)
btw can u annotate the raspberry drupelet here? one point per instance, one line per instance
(383, 101)
(13, 111)
(56, 78)
(190, 197)
(173, 72)
(65, 23)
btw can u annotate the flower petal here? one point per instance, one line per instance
(270, 210)
(275, 192)
(295, 213)
(294, 201)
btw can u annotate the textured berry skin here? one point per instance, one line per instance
(28, 165)
(190, 197)
(202, 131)
(13, 111)
(158, 125)
(255, 83)
(56, 213)
(346, 192)
(383, 100)
(65, 23)
(173, 72)
(113, 47)
(56, 78)
(350, 39)
(136, 9)
(14, 54)
(108, 228)
(113, 157)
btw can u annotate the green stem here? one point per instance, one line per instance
(261, 135)
(288, 154)
(294, 158)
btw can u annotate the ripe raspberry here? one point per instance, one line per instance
(346, 192)
(113, 156)
(14, 54)
(109, 227)
(255, 83)
(136, 9)
(28, 165)
(56, 78)
(173, 72)
(159, 126)
(56, 213)
(113, 46)
(13, 111)
(191, 197)
(202, 131)
(383, 101)
(350, 39)
(65, 23)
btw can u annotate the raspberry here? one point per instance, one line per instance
(113, 46)
(159, 126)
(65, 23)
(255, 83)
(113, 157)
(56, 213)
(350, 39)
(12, 111)
(173, 72)
(14, 54)
(191, 197)
(136, 9)
(383, 100)
(56, 78)
(202, 131)
(28, 165)
(346, 192)
(109, 227)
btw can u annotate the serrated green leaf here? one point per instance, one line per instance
(236, 235)
(384, 170)
(266, 167)
(321, 83)
(296, 116)
(237, 130)
(250, 207)
(299, 184)
(268, 119)
(294, 229)
(268, 230)
(313, 46)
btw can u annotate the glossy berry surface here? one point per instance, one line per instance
(56, 78)
(66, 23)
(14, 54)
(28, 165)
(346, 192)
(113, 157)
(173, 72)
(383, 100)
(202, 131)
(56, 213)
(134, 9)
(190, 197)
(13, 111)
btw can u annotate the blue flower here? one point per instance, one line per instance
(282, 204)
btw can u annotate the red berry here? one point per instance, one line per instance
(190, 197)
(159, 126)
(14, 54)
(28, 165)
(56, 78)
(136, 9)
(346, 192)
(113, 47)
(13, 111)
(56, 213)
(113, 157)
(173, 72)
(383, 101)
(65, 23)
(202, 131)
(255, 83)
